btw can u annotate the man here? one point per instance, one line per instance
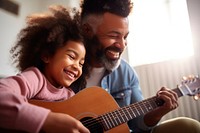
(106, 27)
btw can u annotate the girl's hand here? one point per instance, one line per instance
(63, 123)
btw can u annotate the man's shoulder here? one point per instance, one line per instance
(124, 68)
(124, 64)
(123, 61)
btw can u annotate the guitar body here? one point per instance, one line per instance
(90, 102)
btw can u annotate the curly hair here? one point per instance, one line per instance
(118, 7)
(44, 34)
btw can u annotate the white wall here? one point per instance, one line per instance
(169, 73)
(11, 24)
(194, 15)
(66, 3)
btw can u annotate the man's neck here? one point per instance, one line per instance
(96, 64)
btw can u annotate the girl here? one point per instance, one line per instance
(50, 55)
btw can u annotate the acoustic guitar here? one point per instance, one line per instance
(99, 112)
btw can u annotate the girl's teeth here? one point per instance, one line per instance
(72, 75)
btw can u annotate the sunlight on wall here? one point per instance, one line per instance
(159, 31)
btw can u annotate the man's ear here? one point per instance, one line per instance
(87, 30)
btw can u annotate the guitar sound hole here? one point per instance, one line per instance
(92, 124)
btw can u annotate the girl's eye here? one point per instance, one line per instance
(81, 64)
(71, 57)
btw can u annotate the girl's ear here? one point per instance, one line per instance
(45, 58)
(87, 30)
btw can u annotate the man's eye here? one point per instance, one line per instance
(125, 37)
(112, 36)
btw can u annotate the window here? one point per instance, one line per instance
(159, 31)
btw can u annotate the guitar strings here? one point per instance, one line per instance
(137, 108)
(104, 120)
(118, 111)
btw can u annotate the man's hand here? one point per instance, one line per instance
(170, 99)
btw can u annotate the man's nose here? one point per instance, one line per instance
(121, 43)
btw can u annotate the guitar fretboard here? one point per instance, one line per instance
(122, 115)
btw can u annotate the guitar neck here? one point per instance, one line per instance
(124, 114)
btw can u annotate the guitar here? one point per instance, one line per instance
(107, 116)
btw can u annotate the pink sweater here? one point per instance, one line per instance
(15, 111)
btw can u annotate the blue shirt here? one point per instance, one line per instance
(123, 85)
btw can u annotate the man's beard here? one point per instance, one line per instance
(100, 54)
(110, 64)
